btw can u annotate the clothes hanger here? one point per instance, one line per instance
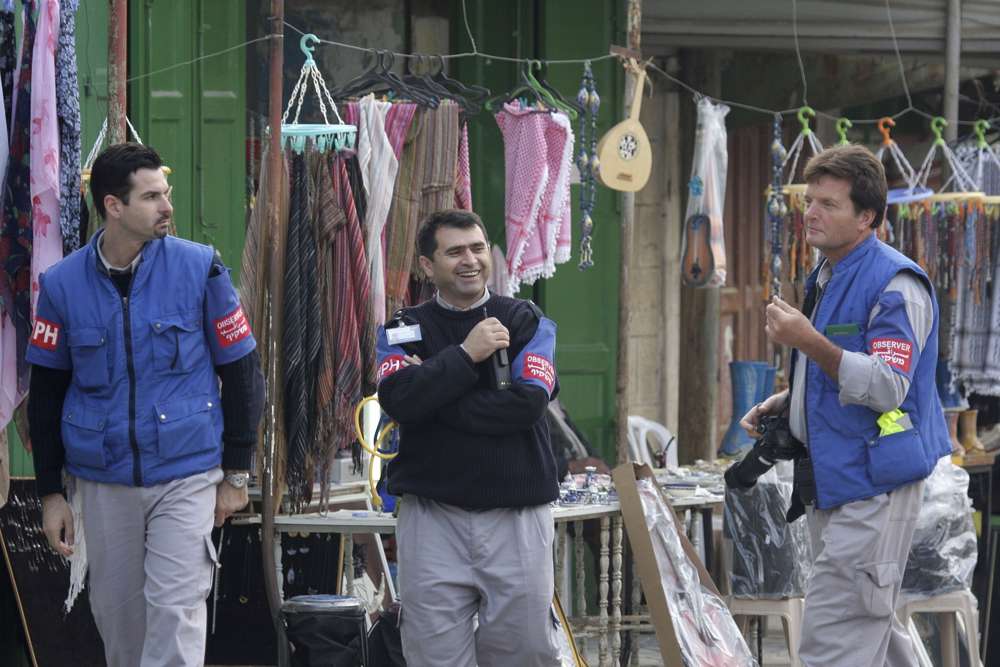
(478, 94)
(324, 136)
(525, 90)
(380, 78)
(571, 108)
(400, 89)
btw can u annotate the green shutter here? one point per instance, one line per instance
(194, 115)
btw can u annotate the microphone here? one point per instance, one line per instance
(500, 365)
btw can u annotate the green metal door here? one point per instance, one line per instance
(194, 115)
(584, 305)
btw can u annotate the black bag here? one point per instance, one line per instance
(326, 631)
(385, 646)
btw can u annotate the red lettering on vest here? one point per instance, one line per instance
(232, 328)
(894, 351)
(537, 367)
(45, 334)
(389, 365)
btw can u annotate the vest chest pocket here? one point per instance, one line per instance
(88, 349)
(178, 344)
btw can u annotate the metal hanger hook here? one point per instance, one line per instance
(884, 124)
(802, 114)
(842, 125)
(308, 50)
(980, 128)
(938, 123)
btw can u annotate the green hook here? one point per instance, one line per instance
(938, 123)
(980, 128)
(842, 125)
(308, 50)
(803, 112)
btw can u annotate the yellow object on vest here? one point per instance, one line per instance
(887, 422)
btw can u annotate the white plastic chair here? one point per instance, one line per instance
(639, 431)
(947, 605)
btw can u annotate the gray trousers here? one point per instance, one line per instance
(860, 551)
(453, 564)
(151, 562)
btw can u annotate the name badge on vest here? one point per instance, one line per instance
(404, 334)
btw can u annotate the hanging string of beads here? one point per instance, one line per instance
(776, 207)
(587, 162)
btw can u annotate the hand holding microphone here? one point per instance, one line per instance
(490, 339)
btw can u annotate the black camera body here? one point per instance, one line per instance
(776, 443)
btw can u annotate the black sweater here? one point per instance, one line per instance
(461, 441)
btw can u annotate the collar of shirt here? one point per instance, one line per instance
(477, 304)
(114, 269)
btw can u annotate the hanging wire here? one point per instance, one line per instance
(798, 52)
(899, 58)
(199, 59)
(475, 53)
(468, 30)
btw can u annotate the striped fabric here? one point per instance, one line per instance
(463, 173)
(301, 345)
(426, 184)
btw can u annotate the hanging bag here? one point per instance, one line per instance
(703, 257)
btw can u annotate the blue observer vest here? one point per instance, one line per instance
(850, 459)
(143, 406)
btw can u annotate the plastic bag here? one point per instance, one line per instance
(772, 559)
(703, 257)
(706, 631)
(944, 550)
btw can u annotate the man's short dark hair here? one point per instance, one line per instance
(453, 217)
(859, 167)
(113, 169)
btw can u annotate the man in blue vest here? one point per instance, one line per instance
(132, 335)
(864, 403)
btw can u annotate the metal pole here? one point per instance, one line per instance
(117, 70)
(627, 234)
(952, 60)
(268, 483)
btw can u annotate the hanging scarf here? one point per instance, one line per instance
(379, 167)
(68, 107)
(404, 214)
(47, 245)
(538, 150)
(348, 358)
(16, 234)
(8, 60)
(265, 309)
(463, 173)
(301, 336)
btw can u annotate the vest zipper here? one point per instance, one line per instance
(130, 363)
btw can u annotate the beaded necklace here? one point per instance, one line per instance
(776, 207)
(587, 162)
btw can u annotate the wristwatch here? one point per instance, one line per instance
(237, 480)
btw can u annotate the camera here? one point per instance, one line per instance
(776, 443)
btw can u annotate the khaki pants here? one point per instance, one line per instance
(860, 552)
(454, 564)
(151, 562)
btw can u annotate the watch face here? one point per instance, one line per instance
(627, 147)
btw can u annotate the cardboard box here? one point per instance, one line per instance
(626, 477)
